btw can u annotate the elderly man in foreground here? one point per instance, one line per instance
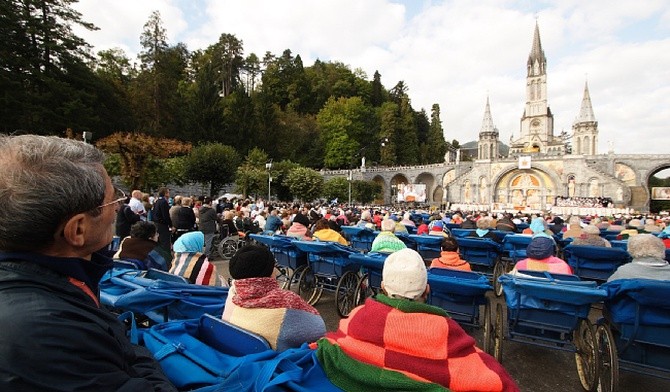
(396, 342)
(58, 210)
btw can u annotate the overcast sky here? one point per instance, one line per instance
(453, 53)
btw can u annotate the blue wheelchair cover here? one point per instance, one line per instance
(126, 289)
(595, 258)
(263, 239)
(373, 264)
(462, 283)
(187, 360)
(565, 296)
(335, 252)
(647, 298)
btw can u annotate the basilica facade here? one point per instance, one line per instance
(538, 171)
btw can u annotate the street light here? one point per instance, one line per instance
(269, 166)
(350, 178)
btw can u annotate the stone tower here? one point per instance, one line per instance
(537, 122)
(585, 128)
(488, 136)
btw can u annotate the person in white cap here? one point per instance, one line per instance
(395, 341)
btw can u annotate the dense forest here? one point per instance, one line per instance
(317, 116)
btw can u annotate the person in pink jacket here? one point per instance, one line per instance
(541, 257)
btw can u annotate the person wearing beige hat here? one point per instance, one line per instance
(591, 236)
(372, 349)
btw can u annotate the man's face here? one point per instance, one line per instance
(102, 230)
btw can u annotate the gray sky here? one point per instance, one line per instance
(453, 53)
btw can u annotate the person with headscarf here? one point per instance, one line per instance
(191, 262)
(538, 228)
(541, 257)
(299, 228)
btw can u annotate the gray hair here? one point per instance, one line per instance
(646, 245)
(365, 215)
(484, 223)
(44, 180)
(388, 225)
(574, 220)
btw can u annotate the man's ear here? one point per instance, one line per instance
(74, 230)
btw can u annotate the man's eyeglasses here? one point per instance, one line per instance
(121, 196)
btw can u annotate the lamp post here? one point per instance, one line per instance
(269, 166)
(350, 178)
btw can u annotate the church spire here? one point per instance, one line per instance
(586, 112)
(488, 136)
(537, 61)
(487, 123)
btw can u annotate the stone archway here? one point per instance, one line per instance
(429, 180)
(379, 180)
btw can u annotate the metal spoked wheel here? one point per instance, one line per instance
(498, 334)
(284, 277)
(345, 293)
(363, 290)
(586, 355)
(499, 269)
(309, 287)
(608, 368)
(227, 248)
(488, 328)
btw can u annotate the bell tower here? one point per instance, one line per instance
(488, 136)
(585, 128)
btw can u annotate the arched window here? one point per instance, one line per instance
(532, 90)
(587, 145)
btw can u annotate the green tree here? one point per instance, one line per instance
(388, 114)
(346, 127)
(154, 43)
(366, 192)
(336, 188)
(252, 176)
(436, 146)
(304, 183)
(280, 171)
(212, 163)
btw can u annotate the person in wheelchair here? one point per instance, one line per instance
(648, 252)
(387, 241)
(540, 257)
(256, 303)
(191, 262)
(449, 257)
(323, 232)
(142, 249)
(371, 349)
(58, 211)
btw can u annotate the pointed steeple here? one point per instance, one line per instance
(487, 123)
(536, 60)
(586, 112)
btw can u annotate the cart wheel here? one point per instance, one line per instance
(488, 328)
(609, 360)
(586, 355)
(284, 276)
(227, 248)
(294, 279)
(499, 270)
(498, 333)
(345, 293)
(363, 290)
(308, 286)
